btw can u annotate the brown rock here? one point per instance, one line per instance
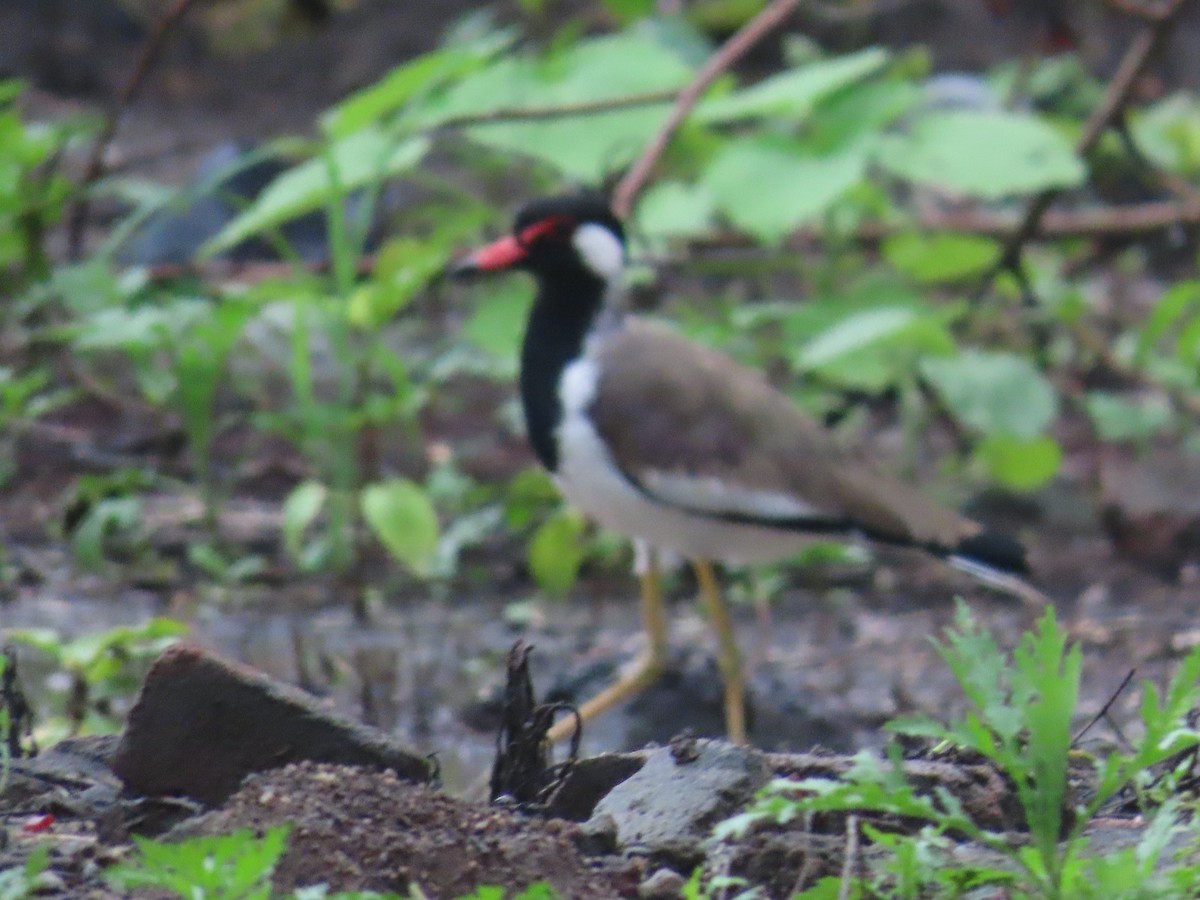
(201, 725)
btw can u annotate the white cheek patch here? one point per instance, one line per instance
(600, 250)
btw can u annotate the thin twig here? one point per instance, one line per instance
(1105, 708)
(1103, 116)
(732, 50)
(1123, 221)
(78, 218)
(850, 863)
(1151, 12)
(559, 111)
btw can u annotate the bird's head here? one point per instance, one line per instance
(574, 234)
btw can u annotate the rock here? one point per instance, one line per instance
(589, 780)
(201, 725)
(664, 884)
(673, 801)
(597, 836)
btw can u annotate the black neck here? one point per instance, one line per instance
(566, 307)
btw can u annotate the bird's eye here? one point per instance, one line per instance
(554, 226)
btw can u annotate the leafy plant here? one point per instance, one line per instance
(97, 670)
(235, 866)
(1019, 719)
(19, 882)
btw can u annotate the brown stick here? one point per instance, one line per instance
(560, 111)
(732, 50)
(1103, 116)
(77, 220)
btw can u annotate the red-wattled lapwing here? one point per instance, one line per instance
(682, 449)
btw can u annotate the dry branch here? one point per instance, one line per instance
(1107, 114)
(155, 41)
(731, 51)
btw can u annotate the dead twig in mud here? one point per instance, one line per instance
(157, 39)
(20, 713)
(732, 50)
(522, 768)
(1104, 116)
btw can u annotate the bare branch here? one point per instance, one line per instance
(1105, 115)
(732, 50)
(157, 39)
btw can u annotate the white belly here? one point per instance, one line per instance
(589, 479)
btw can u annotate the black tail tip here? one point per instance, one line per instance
(995, 550)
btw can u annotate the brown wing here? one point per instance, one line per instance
(667, 406)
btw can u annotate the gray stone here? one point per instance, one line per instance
(682, 791)
(664, 884)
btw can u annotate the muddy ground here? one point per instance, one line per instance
(833, 656)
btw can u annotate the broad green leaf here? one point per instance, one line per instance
(145, 327)
(402, 518)
(994, 393)
(1168, 132)
(626, 11)
(794, 92)
(360, 158)
(1166, 315)
(932, 258)
(855, 332)
(585, 146)
(674, 209)
(300, 510)
(990, 155)
(1119, 418)
(556, 552)
(873, 348)
(853, 115)
(768, 186)
(498, 322)
(1020, 464)
(408, 82)
(402, 268)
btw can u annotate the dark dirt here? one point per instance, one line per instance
(359, 830)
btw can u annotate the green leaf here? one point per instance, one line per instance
(795, 92)
(933, 258)
(675, 209)
(1020, 464)
(769, 186)
(994, 393)
(585, 146)
(990, 155)
(1168, 132)
(405, 522)
(1166, 316)
(855, 332)
(556, 552)
(1119, 418)
(403, 267)
(360, 158)
(409, 81)
(874, 347)
(498, 322)
(625, 11)
(300, 510)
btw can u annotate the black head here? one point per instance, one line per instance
(573, 233)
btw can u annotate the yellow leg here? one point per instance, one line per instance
(643, 671)
(728, 656)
